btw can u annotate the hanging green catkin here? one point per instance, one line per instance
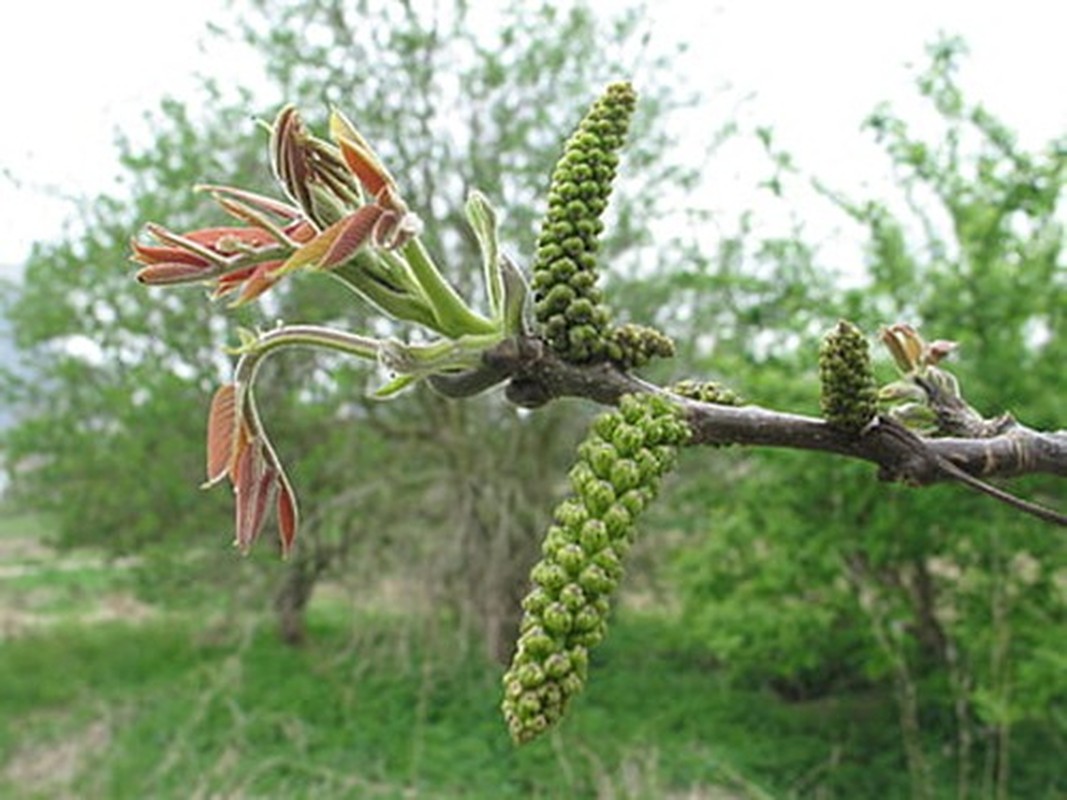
(849, 394)
(617, 474)
(567, 303)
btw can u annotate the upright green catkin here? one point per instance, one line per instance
(568, 304)
(617, 474)
(849, 397)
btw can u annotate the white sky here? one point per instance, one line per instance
(74, 72)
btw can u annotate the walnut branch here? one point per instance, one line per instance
(536, 376)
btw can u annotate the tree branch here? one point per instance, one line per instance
(537, 375)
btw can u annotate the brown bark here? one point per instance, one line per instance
(536, 375)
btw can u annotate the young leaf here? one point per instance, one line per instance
(221, 433)
(254, 485)
(482, 219)
(287, 514)
(515, 303)
(395, 386)
(353, 232)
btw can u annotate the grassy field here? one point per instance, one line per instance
(105, 696)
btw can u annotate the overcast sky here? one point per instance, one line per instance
(74, 72)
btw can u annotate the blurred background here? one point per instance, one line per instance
(788, 627)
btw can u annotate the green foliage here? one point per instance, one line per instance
(988, 214)
(380, 703)
(761, 587)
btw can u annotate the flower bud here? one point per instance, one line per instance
(572, 597)
(572, 558)
(530, 676)
(557, 619)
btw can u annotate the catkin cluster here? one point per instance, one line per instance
(567, 303)
(617, 474)
(849, 395)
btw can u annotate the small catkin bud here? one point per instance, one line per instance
(849, 394)
(707, 392)
(632, 346)
(567, 607)
(575, 322)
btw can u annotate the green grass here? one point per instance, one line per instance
(167, 709)
(179, 706)
(57, 591)
(382, 716)
(16, 524)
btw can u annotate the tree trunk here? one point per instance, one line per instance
(292, 599)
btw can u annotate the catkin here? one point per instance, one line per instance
(617, 474)
(849, 397)
(568, 304)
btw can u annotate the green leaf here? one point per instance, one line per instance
(395, 386)
(483, 221)
(516, 291)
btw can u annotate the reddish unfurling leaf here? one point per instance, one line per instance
(287, 516)
(259, 201)
(168, 273)
(165, 254)
(221, 433)
(352, 233)
(258, 281)
(254, 485)
(250, 237)
(364, 166)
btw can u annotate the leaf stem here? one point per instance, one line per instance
(454, 317)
